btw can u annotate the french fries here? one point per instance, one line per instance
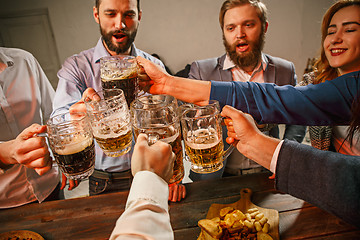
(234, 224)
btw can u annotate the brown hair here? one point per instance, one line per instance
(260, 8)
(97, 4)
(323, 69)
(355, 119)
(325, 72)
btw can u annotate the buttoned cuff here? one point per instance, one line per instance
(150, 187)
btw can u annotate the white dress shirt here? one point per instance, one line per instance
(146, 215)
(25, 98)
(275, 157)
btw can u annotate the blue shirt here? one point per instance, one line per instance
(328, 103)
(82, 71)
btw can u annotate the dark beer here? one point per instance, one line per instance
(173, 137)
(129, 84)
(76, 161)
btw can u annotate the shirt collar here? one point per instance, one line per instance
(229, 64)
(100, 51)
(6, 59)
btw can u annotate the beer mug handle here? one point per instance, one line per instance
(185, 156)
(139, 92)
(228, 151)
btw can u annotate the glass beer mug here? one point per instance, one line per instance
(72, 144)
(120, 72)
(202, 134)
(157, 116)
(110, 122)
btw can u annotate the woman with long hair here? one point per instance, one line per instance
(340, 54)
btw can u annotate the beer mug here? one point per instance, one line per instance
(110, 122)
(72, 144)
(157, 116)
(120, 72)
(202, 134)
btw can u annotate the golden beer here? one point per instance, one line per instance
(115, 146)
(110, 122)
(205, 150)
(173, 137)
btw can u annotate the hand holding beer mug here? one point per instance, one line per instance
(120, 72)
(157, 116)
(72, 144)
(110, 121)
(202, 131)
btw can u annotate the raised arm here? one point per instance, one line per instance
(146, 215)
(157, 81)
(328, 103)
(332, 179)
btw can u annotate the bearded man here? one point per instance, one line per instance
(118, 21)
(244, 24)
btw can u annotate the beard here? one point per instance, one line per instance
(246, 59)
(119, 48)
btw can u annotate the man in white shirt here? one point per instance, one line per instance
(26, 173)
(146, 215)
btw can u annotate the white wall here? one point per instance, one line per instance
(191, 30)
(187, 30)
(71, 20)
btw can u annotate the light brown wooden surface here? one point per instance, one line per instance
(245, 204)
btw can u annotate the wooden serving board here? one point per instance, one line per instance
(243, 205)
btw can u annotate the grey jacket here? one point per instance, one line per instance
(325, 179)
(278, 71)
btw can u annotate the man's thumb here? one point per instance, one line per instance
(32, 131)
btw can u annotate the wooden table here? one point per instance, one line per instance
(94, 217)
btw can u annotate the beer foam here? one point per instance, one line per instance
(116, 125)
(170, 139)
(197, 139)
(119, 116)
(201, 145)
(119, 75)
(75, 146)
(108, 79)
(112, 134)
